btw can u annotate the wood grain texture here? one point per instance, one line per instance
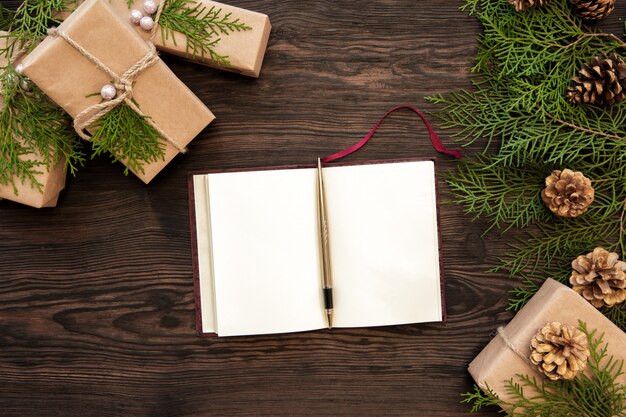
(96, 295)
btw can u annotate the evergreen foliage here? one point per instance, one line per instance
(30, 124)
(6, 17)
(45, 129)
(594, 393)
(517, 108)
(30, 23)
(35, 134)
(128, 138)
(201, 26)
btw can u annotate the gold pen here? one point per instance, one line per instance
(327, 287)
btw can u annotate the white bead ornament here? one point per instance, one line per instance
(108, 91)
(19, 69)
(150, 6)
(135, 16)
(146, 23)
(25, 84)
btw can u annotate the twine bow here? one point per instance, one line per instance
(124, 86)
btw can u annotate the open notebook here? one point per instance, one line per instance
(257, 249)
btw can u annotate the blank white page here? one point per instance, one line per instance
(382, 224)
(265, 241)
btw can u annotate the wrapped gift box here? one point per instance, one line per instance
(52, 179)
(497, 363)
(245, 49)
(71, 79)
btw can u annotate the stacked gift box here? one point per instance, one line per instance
(101, 57)
(514, 352)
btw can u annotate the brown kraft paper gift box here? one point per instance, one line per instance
(52, 179)
(245, 49)
(70, 79)
(497, 363)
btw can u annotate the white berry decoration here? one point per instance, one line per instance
(150, 6)
(135, 16)
(108, 92)
(19, 69)
(25, 84)
(146, 23)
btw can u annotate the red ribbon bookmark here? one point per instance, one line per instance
(434, 138)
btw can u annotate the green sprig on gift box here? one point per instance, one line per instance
(518, 110)
(122, 133)
(202, 27)
(594, 393)
(30, 124)
(29, 24)
(35, 134)
(127, 137)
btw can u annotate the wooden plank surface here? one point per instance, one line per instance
(96, 295)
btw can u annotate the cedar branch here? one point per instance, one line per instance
(582, 129)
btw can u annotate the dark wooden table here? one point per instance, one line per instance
(96, 295)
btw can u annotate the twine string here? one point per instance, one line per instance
(123, 85)
(511, 346)
(157, 17)
(507, 341)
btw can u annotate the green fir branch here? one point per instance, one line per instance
(518, 111)
(507, 197)
(30, 24)
(557, 244)
(480, 399)
(128, 138)
(594, 393)
(525, 61)
(530, 284)
(35, 134)
(201, 26)
(6, 17)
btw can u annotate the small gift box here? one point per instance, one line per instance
(52, 181)
(507, 354)
(94, 57)
(238, 35)
(48, 178)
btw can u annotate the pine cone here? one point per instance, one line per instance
(568, 193)
(600, 278)
(600, 82)
(593, 9)
(559, 351)
(521, 5)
